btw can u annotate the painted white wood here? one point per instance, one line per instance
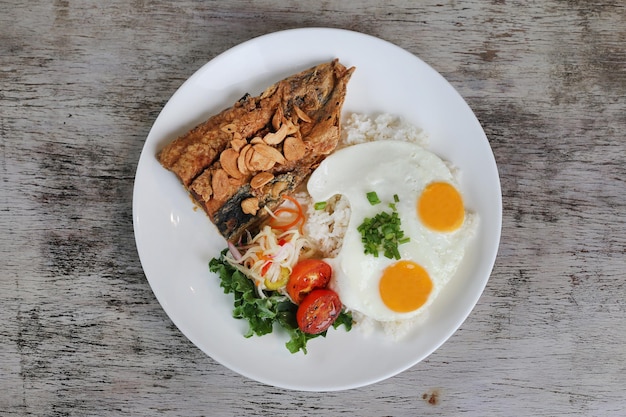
(80, 86)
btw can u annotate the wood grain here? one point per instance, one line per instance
(81, 84)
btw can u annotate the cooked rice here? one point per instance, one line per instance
(360, 128)
(327, 227)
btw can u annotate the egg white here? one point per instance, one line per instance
(389, 168)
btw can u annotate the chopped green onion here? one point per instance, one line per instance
(372, 197)
(382, 233)
(321, 205)
(396, 198)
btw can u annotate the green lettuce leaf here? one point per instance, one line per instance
(262, 313)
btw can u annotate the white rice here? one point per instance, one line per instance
(360, 128)
(326, 228)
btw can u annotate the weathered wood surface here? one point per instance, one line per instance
(81, 84)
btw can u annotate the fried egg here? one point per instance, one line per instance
(432, 215)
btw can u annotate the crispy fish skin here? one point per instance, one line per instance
(188, 155)
(311, 99)
(230, 219)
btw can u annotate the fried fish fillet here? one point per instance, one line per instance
(248, 156)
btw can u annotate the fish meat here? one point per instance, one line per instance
(244, 159)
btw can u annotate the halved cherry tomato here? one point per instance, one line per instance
(306, 276)
(318, 311)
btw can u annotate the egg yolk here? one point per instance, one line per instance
(405, 286)
(440, 207)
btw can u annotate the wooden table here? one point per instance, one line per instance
(82, 83)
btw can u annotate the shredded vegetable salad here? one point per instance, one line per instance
(269, 258)
(264, 265)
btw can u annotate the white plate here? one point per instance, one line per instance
(176, 241)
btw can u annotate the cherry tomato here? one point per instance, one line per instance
(306, 276)
(318, 311)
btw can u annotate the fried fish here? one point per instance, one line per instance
(244, 159)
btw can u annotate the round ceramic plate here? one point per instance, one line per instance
(175, 241)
